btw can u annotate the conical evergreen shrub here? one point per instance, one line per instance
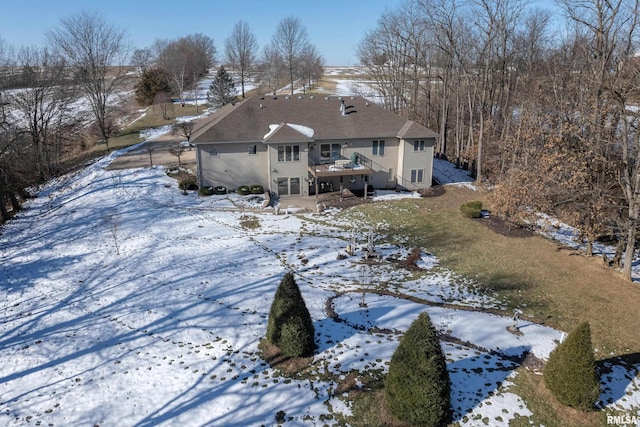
(418, 388)
(290, 326)
(570, 374)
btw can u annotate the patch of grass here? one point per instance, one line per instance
(249, 222)
(554, 286)
(368, 404)
(130, 135)
(545, 408)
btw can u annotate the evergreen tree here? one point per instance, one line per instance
(570, 373)
(418, 387)
(290, 326)
(152, 82)
(222, 90)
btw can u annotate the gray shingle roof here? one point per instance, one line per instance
(250, 121)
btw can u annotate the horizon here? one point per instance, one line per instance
(330, 24)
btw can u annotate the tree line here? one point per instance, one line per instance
(87, 60)
(40, 87)
(545, 111)
(171, 68)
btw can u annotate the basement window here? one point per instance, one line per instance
(417, 176)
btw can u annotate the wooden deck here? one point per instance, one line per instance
(331, 170)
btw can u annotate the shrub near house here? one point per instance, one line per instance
(472, 209)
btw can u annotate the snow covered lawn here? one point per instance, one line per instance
(128, 303)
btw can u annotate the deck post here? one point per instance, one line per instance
(315, 180)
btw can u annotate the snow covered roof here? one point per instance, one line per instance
(288, 132)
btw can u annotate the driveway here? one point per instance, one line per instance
(156, 152)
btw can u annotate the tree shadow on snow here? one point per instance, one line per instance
(616, 374)
(478, 376)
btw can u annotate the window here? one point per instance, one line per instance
(377, 148)
(329, 152)
(417, 175)
(418, 145)
(252, 149)
(294, 185)
(283, 186)
(288, 153)
(288, 186)
(213, 151)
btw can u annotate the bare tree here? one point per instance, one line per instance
(185, 60)
(97, 51)
(184, 128)
(42, 105)
(290, 41)
(310, 66)
(394, 54)
(241, 50)
(272, 70)
(163, 103)
(177, 60)
(142, 59)
(611, 30)
(205, 52)
(177, 150)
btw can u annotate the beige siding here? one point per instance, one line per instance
(411, 160)
(233, 166)
(288, 169)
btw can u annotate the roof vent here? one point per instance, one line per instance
(343, 108)
(286, 97)
(299, 96)
(353, 97)
(261, 106)
(326, 98)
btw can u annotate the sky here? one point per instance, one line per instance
(335, 27)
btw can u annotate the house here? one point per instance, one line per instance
(305, 145)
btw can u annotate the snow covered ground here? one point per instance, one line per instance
(128, 303)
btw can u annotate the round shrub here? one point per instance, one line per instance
(296, 338)
(219, 190)
(417, 387)
(205, 191)
(188, 182)
(570, 374)
(256, 189)
(472, 209)
(243, 190)
(290, 326)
